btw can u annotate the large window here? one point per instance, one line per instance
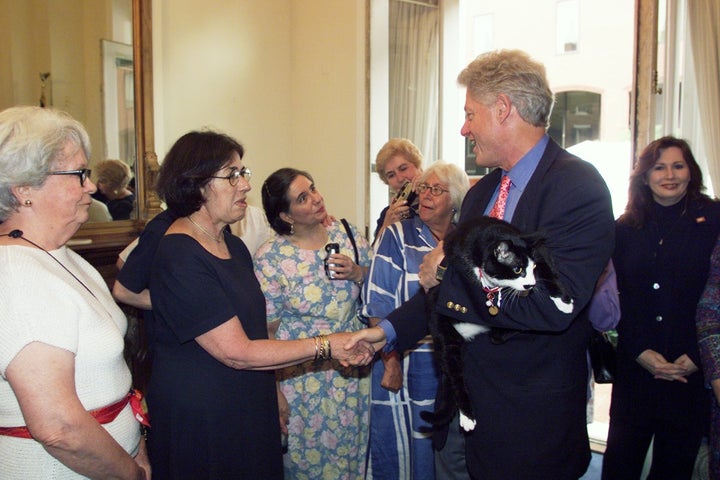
(575, 118)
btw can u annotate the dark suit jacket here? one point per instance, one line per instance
(530, 393)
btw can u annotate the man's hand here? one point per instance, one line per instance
(428, 267)
(349, 350)
(373, 338)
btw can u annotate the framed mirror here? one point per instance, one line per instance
(92, 59)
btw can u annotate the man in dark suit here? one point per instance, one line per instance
(529, 393)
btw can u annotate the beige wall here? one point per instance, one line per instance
(285, 77)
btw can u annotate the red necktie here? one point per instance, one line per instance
(498, 210)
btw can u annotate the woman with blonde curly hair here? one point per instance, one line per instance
(113, 178)
(398, 162)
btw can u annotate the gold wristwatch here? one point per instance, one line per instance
(440, 272)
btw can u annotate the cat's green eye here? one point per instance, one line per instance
(518, 270)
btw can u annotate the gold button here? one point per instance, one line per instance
(458, 307)
(463, 310)
(450, 305)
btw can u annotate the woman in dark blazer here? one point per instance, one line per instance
(662, 250)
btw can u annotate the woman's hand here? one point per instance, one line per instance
(142, 459)
(345, 268)
(358, 353)
(374, 337)
(328, 220)
(398, 210)
(392, 376)
(43, 380)
(661, 369)
(284, 409)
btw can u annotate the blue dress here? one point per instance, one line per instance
(400, 441)
(208, 420)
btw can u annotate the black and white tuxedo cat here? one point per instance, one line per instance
(505, 264)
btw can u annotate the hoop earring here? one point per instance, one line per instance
(28, 202)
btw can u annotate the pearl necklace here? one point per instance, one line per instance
(217, 239)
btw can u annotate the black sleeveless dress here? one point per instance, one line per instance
(208, 420)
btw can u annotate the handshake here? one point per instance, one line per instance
(357, 348)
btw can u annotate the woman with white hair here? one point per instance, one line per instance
(65, 410)
(405, 384)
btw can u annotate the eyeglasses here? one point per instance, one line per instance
(435, 190)
(235, 174)
(83, 173)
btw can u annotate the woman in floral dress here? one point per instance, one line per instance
(328, 404)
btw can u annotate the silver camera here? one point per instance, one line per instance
(330, 248)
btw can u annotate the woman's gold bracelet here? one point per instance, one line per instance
(322, 348)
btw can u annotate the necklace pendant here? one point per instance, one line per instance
(493, 310)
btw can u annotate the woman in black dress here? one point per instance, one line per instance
(212, 395)
(662, 256)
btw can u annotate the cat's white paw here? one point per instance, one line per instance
(466, 423)
(469, 330)
(561, 305)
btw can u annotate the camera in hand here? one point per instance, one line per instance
(406, 193)
(330, 248)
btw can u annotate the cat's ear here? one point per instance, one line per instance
(503, 253)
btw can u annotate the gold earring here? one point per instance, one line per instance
(28, 202)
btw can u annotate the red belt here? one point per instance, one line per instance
(102, 415)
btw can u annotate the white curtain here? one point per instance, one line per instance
(414, 75)
(704, 22)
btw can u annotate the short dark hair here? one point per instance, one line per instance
(188, 168)
(275, 199)
(639, 194)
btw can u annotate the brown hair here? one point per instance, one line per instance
(639, 194)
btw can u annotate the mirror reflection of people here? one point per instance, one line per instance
(64, 384)
(212, 393)
(405, 383)
(663, 243)
(98, 212)
(397, 162)
(327, 403)
(113, 178)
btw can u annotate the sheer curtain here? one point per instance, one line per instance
(414, 75)
(704, 22)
